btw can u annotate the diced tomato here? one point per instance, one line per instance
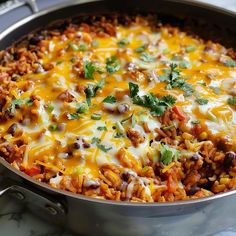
(197, 129)
(35, 170)
(181, 115)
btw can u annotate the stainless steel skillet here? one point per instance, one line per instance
(88, 216)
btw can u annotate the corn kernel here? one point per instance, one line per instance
(187, 136)
(224, 180)
(203, 135)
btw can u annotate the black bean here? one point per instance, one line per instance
(76, 145)
(35, 39)
(195, 157)
(86, 145)
(193, 190)
(228, 160)
(125, 177)
(12, 129)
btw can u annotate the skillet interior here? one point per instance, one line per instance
(220, 23)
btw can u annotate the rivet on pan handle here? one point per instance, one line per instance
(13, 4)
(35, 201)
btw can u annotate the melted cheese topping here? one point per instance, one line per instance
(202, 69)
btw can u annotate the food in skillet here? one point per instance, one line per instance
(122, 108)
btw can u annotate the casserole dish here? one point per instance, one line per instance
(127, 212)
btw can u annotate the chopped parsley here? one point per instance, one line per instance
(122, 43)
(17, 103)
(102, 147)
(185, 64)
(172, 76)
(216, 90)
(82, 47)
(232, 101)
(190, 48)
(53, 127)
(133, 89)
(230, 63)
(82, 107)
(89, 69)
(168, 154)
(133, 120)
(141, 49)
(73, 116)
(102, 128)
(49, 108)
(92, 89)
(157, 106)
(109, 99)
(96, 116)
(112, 64)
(146, 57)
(201, 101)
(73, 46)
(202, 83)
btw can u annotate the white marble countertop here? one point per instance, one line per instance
(17, 221)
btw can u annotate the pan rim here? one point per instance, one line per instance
(104, 201)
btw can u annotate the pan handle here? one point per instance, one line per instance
(13, 4)
(35, 200)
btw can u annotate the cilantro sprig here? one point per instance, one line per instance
(97, 142)
(172, 77)
(109, 99)
(90, 68)
(156, 105)
(232, 101)
(112, 64)
(168, 154)
(92, 89)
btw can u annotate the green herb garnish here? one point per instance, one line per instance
(230, 63)
(141, 49)
(89, 69)
(73, 46)
(102, 128)
(92, 89)
(96, 116)
(172, 76)
(73, 116)
(122, 43)
(190, 48)
(185, 64)
(133, 89)
(53, 127)
(157, 106)
(201, 101)
(168, 154)
(216, 90)
(232, 101)
(102, 147)
(49, 108)
(133, 121)
(109, 99)
(82, 107)
(112, 64)
(82, 47)
(146, 57)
